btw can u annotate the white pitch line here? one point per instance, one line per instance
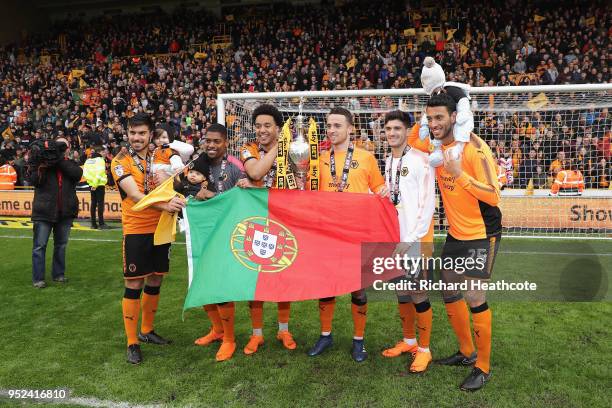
(74, 239)
(544, 237)
(555, 253)
(500, 252)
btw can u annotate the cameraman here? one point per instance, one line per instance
(55, 204)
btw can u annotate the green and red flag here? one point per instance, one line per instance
(281, 245)
(86, 96)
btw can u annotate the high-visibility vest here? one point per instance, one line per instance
(94, 172)
(568, 182)
(8, 177)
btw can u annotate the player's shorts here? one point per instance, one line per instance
(473, 259)
(141, 258)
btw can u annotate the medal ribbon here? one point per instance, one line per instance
(345, 170)
(395, 193)
(221, 176)
(147, 171)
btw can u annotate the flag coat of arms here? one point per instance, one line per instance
(281, 245)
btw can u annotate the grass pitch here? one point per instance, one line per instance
(545, 354)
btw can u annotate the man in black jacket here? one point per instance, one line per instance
(55, 206)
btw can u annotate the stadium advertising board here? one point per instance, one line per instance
(19, 204)
(556, 212)
(519, 211)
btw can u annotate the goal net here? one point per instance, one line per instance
(534, 132)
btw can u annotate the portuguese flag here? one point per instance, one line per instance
(281, 245)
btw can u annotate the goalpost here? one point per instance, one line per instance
(522, 125)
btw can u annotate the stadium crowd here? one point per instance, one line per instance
(84, 79)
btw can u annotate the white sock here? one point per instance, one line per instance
(357, 338)
(257, 332)
(410, 342)
(283, 326)
(423, 349)
(325, 333)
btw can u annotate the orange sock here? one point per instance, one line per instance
(150, 299)
(256, 309)
(326, 314)
(459, 318)
(482, 336)
(360, 317)
(407, 315)
(226, 315)
(284, 309)
(424, 317)
(131, 312)
(213, 314)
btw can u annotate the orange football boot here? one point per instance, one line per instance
(400, 348)
(287, 339)
(253, 344)
(209, 338)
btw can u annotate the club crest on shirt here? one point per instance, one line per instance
(354, 164)
(119, 170)
(404, 172)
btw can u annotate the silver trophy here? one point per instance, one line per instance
(299, 152)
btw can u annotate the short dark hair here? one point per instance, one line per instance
(442, 99)
(219, 128)
(342, 111)
(140, 119)
(398, 115)
(270, 110)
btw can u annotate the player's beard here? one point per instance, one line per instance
(447, 133)
(142, 151)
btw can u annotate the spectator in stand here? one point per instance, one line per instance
(557, 165)
(527, 169)
(603, 173)
(540, 179)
